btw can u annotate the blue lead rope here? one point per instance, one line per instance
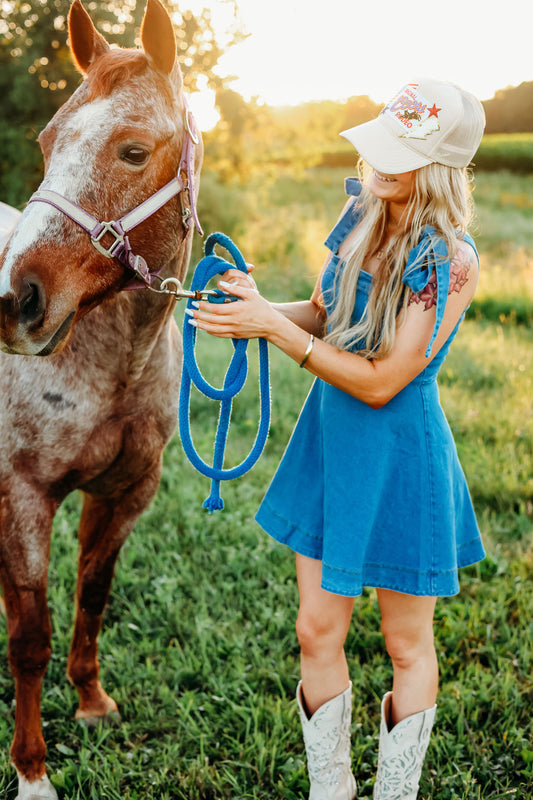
(234, 380)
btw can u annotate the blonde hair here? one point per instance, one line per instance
(441, 198)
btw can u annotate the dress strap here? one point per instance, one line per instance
(431, 253)
(348, 220)
(352, 186)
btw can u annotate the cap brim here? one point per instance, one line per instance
(383, 151)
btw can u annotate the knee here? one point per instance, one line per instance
(317, 632)
(93, 595)
(408, 647)
(29, 651)
(95, 584)
(30, 633)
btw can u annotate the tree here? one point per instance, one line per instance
(511, 110)
(37, 76)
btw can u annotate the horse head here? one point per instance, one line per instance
(113, 144)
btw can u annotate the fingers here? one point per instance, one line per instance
(237, 277)
(215, 320)
(223, 332)
(242, 290)
(243, 319)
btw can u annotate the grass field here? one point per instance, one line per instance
(198, 647)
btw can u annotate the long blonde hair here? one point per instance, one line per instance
(441, 198)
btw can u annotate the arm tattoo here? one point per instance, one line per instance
(459, 269)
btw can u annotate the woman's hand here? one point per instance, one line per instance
(250, 317)
(237, 276)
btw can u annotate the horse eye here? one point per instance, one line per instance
(134, 154)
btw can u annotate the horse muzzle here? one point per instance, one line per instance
(23, 328)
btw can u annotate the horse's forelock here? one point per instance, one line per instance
(113, 68)
(116, 67)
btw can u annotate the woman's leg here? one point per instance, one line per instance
(407, 625)
(321, 627)
(324, 694)
(408, 712)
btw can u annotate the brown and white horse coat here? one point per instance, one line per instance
(97, 412)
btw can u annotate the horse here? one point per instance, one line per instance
(115, 212)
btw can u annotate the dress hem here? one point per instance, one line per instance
(350, 583)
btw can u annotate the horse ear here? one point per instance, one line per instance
(86, 43)
(157, 36)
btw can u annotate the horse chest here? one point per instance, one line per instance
(57, 424)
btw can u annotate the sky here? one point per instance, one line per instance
(302, 50)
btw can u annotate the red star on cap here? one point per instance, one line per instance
(433, 111)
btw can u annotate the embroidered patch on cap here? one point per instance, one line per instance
(413, 113)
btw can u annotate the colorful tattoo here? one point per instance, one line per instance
(459, 269)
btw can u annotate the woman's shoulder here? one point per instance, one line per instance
(464, 269)
(429, 260)
(464, 264)
(466, 248)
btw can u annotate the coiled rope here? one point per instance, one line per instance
(235, 378)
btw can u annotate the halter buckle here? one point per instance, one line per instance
(108, 227)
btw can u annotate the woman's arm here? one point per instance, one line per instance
(374, 382)
(310, 315)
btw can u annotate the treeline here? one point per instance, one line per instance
(37, 74)
(252, 137)
(511, 110)
(36, 77)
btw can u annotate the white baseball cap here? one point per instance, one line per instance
(427, 121)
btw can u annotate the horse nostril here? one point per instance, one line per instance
(32, 304)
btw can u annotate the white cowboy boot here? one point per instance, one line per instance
(401, 753)
(327, 744)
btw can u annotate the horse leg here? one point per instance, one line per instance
(105, 525)
(26, 521)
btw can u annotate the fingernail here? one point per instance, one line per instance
(189, 311)
(193, 322)
(224, 283)
(195, 304)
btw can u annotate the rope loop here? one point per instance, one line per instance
(235, 378)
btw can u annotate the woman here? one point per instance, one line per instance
(370, 491)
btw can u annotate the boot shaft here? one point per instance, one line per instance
(402, 751)
(327, 745)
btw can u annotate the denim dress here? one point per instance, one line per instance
(377, 495)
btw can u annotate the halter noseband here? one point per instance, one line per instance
(120, 248)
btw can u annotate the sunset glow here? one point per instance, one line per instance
(299, 51)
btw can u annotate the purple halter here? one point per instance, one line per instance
(120, 248)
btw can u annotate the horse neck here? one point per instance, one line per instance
(133, 324)
(146, 316)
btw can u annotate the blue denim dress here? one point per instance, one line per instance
(377, 495)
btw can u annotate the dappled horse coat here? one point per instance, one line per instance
(97, 411)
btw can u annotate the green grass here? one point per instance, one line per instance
(198, 647)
